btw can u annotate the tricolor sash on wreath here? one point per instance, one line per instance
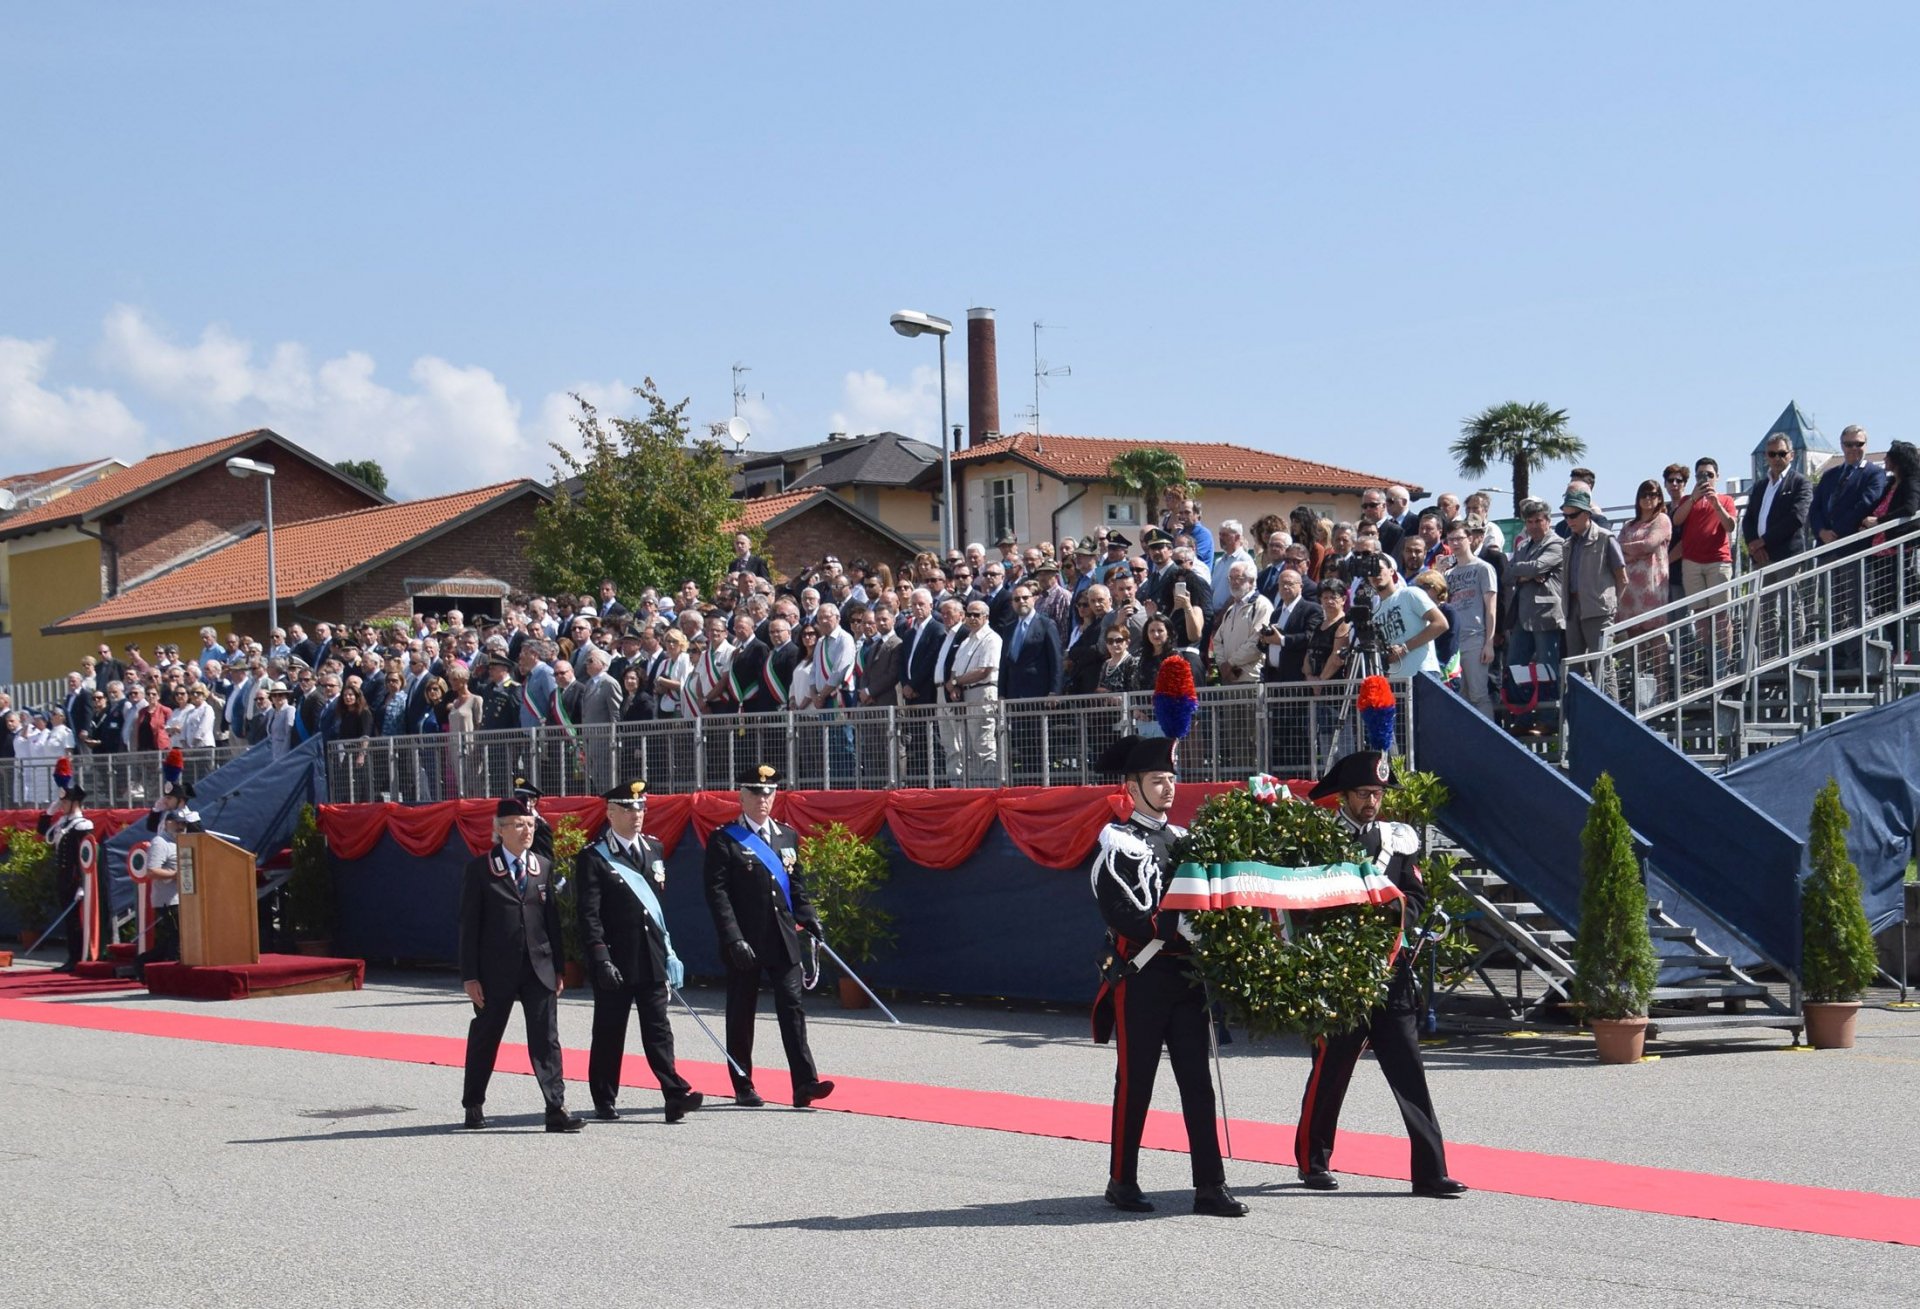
(769, 860)
(636, 882)
(1249, 884)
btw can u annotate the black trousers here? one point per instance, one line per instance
(166, 937)
(1392, 1033)
(541, 1009)
(610, 1009)
(1163, 1005)
(743, 1000)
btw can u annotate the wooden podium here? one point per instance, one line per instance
(219, 911)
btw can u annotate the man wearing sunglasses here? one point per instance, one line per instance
(1775, 525)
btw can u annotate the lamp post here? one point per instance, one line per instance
(243, 469)
(911, 322)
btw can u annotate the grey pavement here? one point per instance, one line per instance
(143, 1170)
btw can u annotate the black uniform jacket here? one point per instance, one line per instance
(1403, 990)
(614, 925)
(500, 932)
(746, 901)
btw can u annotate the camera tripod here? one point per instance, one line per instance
(1365, 658)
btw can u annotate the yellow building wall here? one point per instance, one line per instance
(46, 583)
(910, 513)
(184, 635)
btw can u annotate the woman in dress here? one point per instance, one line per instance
(1646, 542)
(463, 720)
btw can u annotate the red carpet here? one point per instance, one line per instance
(1856, 1215)
(20, 983)
(275, 974)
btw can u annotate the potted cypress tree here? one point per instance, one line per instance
(1613, 960)
(1836, 942)
(843, 872)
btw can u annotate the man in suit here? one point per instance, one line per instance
(77, 704)
(629, 952)
(110, 732)
(882, 658)
(1032, 665)
(924, 640)
(970, 693)
(997, 591)
(1288, 631)
(1848, 491)
(106, 668)
(1361, 781)
(599, 711)
(511, 949)
(757, 893)
(744, 559)
(743, 670)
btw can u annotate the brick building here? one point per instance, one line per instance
(461, 551)
(109, 537)
(803, 527)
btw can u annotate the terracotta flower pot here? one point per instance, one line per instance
(1830, 1024)
(852, 997)
(1620, 1040)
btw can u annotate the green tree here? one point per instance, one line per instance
(1148, 472)
(1614, 967)
(1836, 942)
(365, 470)
(1525, 436)
(639, 502)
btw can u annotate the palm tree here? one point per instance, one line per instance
(1523, 435)
(1148, 472)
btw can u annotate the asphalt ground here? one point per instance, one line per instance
(143, 1170)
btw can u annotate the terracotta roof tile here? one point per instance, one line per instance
(79, 504)
(22, 482)
(1211, 463)
(762, 510)
(308, 555)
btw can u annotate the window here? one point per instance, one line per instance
(1002, 495)
(1122, 513)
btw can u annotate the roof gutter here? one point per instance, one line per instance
(1054, 521)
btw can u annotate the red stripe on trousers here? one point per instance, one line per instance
(1303, 1134)
(1119, 1133)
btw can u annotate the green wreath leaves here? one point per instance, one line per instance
(1334, 970)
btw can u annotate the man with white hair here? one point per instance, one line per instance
(1243, 615)
(1228, 550)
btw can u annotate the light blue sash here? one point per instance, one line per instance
(637, 883)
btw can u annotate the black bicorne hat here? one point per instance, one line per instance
(1138, 754)
(1361, 769)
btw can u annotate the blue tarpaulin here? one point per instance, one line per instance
(1708, 843)
(252, 801)
(1872, 756)
(1508, 806)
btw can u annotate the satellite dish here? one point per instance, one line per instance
(738, 432)
(7, 501)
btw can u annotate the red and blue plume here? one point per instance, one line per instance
(1174, 700)
(1379, 712)
(63, 773)
(173, 767)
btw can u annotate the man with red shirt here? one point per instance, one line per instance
(1706, 549)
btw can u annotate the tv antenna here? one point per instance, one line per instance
(1041, 372)
(739, 391)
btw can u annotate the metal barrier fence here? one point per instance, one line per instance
(126, 780)
(1820, 622)
(1288, 730)
(48, 692)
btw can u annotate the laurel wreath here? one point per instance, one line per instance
(1335, 967)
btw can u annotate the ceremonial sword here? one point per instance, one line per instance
(47, 935)
(855, 978)
(694, 1014)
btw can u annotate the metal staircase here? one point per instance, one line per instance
(1697, 988)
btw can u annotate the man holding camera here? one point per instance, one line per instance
(1407, 619)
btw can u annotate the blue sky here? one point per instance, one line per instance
(407, 231)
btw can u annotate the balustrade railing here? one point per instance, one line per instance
(125, 780)
(1289, 730)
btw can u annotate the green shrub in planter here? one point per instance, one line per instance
(569, 839)
(1613, 960)
(1836, 943)
(27, 880)
(309, 902)
(842, 872)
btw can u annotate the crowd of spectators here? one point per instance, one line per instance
(1293, 598)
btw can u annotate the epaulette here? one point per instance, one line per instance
(1399, 838)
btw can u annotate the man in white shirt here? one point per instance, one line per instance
(1228, 551)
(193, 725)
(971, 659)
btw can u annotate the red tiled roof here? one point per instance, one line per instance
(18, 482)
(761, 510)
(128, 482)
(310, 556)
(1211, 463)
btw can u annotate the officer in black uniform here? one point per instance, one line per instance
(624, 933)
(511, 949)
(66, 832)
(1150, 993)
(761, 925)
(1361, 781)
(530, 795)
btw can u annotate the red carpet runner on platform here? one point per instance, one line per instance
(1857, 1215)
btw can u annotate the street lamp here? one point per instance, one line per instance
(243, 469)
(911, 322)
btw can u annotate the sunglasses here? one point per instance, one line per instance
(1778, 454)
(1676, 481)
(1854, 445)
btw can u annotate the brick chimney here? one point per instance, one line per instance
(983, 378)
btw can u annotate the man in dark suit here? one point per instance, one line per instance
(757, 893)
(1293, 626)
(510, 949)
(1031, 664)
(106, 668)
(923, 641)
(1775, 527)
(77, 704)
(1848, 490)
(882, 658)
(624, 933)
(744, 559)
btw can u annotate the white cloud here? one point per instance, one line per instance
(870, 403)
(41, 427)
